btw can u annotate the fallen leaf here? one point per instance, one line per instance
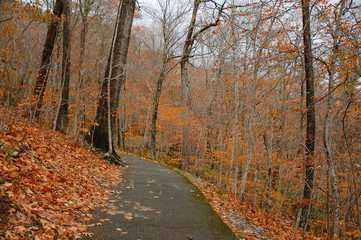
(104, 220)
(11, 210)
(88, 234)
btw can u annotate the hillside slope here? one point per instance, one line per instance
(48, 183)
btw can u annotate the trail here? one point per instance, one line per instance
(155, 202)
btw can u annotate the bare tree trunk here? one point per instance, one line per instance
(221, 140)
(78, 112)
(184, 61)
(268, 146)
(327, 138)
(187, 48)
(62, 119)
(157, 93)
(310, 107)
(122, 123)
(352, 165)
(251, 142)
(236, 122)
(146, 130)
(114, 79)
(46, 59)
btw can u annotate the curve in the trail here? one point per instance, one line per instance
(154, 203)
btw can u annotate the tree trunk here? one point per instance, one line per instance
(84, 9)
(310, 116)
(184, 61)
(187, 48)
(46, 58)
(236, 123)
(327, 138)
(62, 119)
(158, 91)
(114, 77)
(251, 141)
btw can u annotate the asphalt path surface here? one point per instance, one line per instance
(155, 202)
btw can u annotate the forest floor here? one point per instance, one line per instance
(48, 183)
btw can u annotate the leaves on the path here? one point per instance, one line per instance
(88, 234)
(104, 220)
(51, 182)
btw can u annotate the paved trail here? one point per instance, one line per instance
(154, 203)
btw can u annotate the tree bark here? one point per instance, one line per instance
(62, 119)
(327, 128)
(310, 116)
(187, 48)
(184, 61)
(158, 91)
(236, 123)
(46, 59)
(84, 8)
(114, 77)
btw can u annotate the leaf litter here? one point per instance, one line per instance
(48, 188)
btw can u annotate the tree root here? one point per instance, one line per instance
(115, 159)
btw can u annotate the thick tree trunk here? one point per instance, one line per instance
(310, 116)
(42, 77)
(114, 77)
(62, 119)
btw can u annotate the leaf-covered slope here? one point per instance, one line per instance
(48, 183)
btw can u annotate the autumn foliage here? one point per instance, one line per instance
(243, 127)
(48, 183)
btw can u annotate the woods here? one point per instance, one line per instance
(260, 98)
